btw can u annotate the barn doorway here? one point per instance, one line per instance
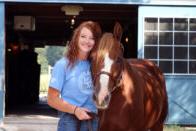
(42, 25)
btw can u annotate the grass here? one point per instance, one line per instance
(178, 128)
(44, 83)
(173, 128)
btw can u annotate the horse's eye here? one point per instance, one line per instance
(102, 64)
(118, 60)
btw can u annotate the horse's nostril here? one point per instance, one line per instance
(107, 98)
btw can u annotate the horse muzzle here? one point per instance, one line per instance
(102, 103)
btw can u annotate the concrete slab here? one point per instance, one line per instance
(37, 117)
(29, 123)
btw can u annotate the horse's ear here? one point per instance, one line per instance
(118, 31)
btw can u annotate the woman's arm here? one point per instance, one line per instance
(56, 102)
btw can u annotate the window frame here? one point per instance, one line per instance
(165, 15)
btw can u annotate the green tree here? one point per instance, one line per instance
(42, 60)
(53, 53)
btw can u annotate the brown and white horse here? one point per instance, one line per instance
(130, 95)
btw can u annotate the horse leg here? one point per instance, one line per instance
(159, 125)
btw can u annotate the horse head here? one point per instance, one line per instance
(107, 66)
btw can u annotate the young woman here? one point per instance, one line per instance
(71, 86)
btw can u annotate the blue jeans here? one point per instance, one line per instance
(69, 122)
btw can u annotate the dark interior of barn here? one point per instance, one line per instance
(47, 24)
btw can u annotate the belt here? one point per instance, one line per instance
(92, 115)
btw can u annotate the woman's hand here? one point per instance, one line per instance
(82, 113)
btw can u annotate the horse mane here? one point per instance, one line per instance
(105, 45)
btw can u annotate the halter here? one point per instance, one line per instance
(115, 81)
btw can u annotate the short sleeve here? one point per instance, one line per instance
(58, 75)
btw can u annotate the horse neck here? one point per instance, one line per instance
(129, 88)
(127, 72)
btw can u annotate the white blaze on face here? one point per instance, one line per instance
(104, 79)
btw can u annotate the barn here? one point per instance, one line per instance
(163, 31)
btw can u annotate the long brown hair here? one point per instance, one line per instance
(73, 49)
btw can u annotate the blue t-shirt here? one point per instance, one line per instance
(74, 84)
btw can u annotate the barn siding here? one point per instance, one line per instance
(182, 94)
(181, 89)
(2, 62)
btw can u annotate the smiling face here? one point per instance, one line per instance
(84, 38)
(85, 41)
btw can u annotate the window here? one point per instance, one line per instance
(171, 43)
